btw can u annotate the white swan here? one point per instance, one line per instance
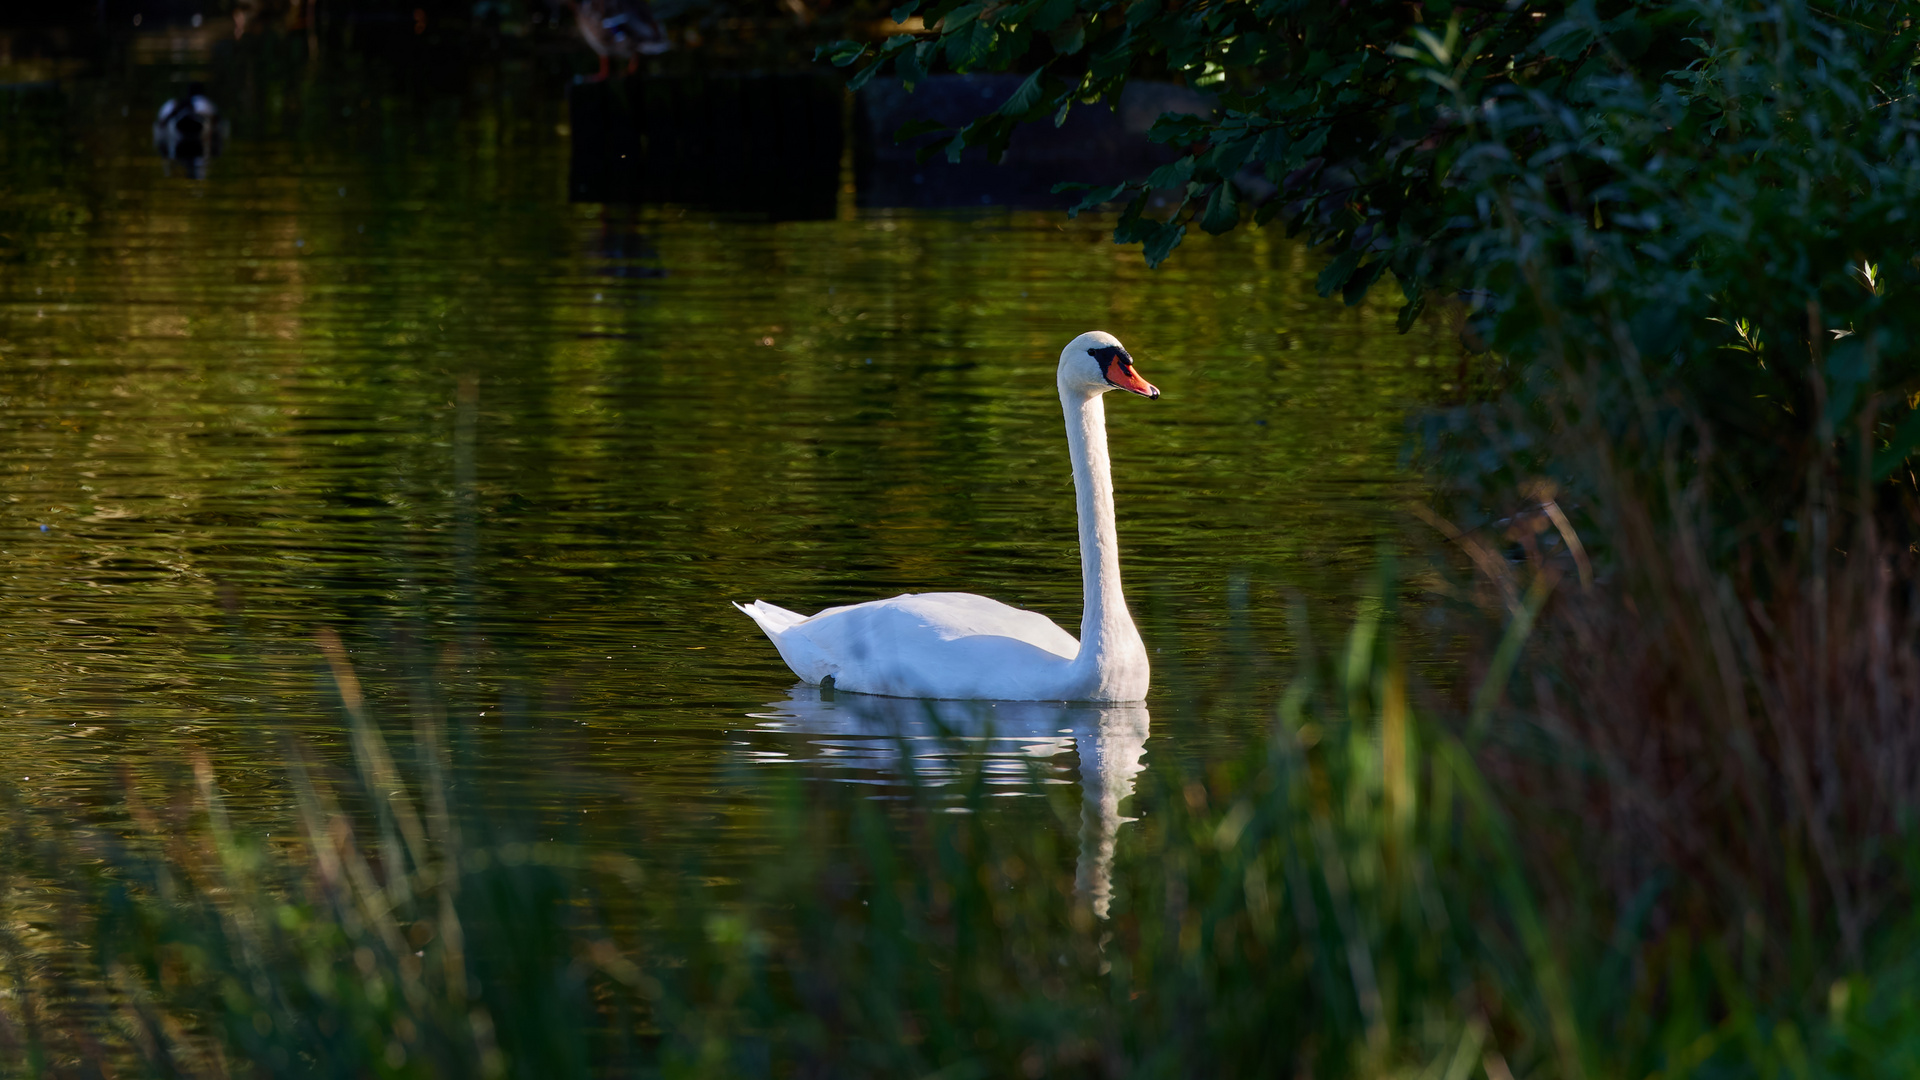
(957, 645)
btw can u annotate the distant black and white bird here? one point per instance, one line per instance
(189, 129)
(619, 30)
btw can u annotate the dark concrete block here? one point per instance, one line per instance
(768, 145)
(771, 145)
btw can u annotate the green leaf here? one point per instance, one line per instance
(1247, 51)
(1052, 13)
(922, 155)
(1564, 40)
(1228, 155)
(1223, 209)
(1338, 74)
(1113, 63)
(1178, 128)
(1357, 285)
(905, 11)
(1338, 271)
(993, 132)
(1132, 228)
(840, 53)
(1409, 312)
(1309, 146)
(1272, 145)
(863, 76)
(1905, 442)
(959, 17)
(971, 45)
(913, 129)
(1141, 11)
(911, 65)
(1161, 244)
(1095, 196)
(1028, 96)
(1069, 38)
(1173, 174)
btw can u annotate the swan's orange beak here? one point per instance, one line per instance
(1118, 369)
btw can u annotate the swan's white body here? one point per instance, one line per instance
(957, 645)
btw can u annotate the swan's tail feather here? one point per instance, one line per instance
(801, 654)
(771, 617)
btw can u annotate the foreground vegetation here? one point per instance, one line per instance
(1349, 898)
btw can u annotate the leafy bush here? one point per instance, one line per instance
(1691, 281)
(1680, 239)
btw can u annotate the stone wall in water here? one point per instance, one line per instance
(774, 145)
(768, 144)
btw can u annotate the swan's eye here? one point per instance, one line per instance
(1113, 360)
(1117, 368)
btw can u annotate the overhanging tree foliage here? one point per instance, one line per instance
(1339, 105)
(1706, 199)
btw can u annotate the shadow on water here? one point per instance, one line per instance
(882, 740)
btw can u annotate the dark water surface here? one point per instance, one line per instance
(376, 374)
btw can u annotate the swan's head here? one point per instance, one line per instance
(1096, 362)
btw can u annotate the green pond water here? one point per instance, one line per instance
(375, 374)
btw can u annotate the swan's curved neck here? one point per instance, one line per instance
(1108, 639)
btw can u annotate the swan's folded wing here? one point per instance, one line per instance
(953, 645)
(965, 615)
(940, 617)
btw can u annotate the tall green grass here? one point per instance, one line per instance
(1354, 896)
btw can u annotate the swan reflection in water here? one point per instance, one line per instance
(864, 734)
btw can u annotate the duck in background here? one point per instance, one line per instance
(189, 130)
(619, 29)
